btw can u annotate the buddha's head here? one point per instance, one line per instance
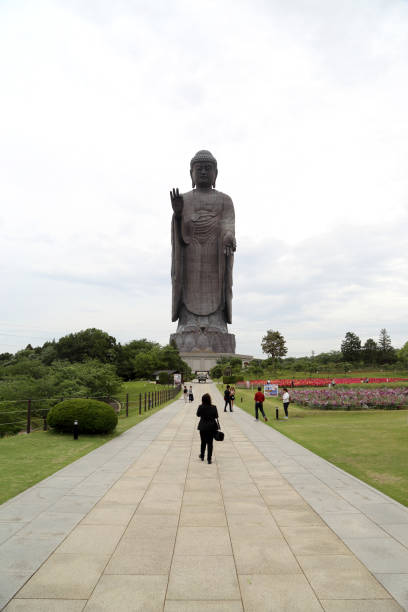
(203, 170)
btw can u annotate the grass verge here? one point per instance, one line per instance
(27, 459)
(371, 444)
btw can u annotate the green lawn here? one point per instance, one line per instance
(134, 387)
(27, 459)
(370, 444)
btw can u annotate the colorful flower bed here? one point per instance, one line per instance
(317, 382)
(351, 399)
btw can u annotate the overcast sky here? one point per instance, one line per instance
(303, 103)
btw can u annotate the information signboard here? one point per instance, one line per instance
(271, 390)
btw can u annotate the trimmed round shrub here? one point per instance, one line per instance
(93, 417)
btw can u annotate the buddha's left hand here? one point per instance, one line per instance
(230, 244)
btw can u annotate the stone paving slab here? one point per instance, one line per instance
(52, 508)
(369, 523)
(142, 524)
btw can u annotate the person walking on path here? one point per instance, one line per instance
(232, 396)
(285, 400)
(207, 426)
(190, 394)
(185, 393)
(227, 398)
(259, 400)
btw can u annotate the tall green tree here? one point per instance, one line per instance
(370, 352)
(236, 363)
(127, 353)
(255, 368)
(351, 347)
(274, 345)
(49, 352)
(4, 357)
(387, 352)
(402, 354)
(87, 344)
(216, 371)
(145, 363)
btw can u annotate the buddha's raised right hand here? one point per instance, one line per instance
(176, 201)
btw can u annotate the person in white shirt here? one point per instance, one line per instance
(285, 400)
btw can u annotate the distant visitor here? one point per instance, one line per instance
(203, 246)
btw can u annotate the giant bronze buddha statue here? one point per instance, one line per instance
(203, 245)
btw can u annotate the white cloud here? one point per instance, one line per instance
(304, 105)
(318, 289)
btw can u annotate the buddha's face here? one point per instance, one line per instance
(204, 174)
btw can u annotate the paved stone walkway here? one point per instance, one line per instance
(141, 524)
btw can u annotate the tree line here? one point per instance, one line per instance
(371, 352)
(89, 362)
(352, 354)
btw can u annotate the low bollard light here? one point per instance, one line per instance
(76, 428)
(277, 414)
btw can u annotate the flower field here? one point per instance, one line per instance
(316, 382)
(370, 444)
(351, 399)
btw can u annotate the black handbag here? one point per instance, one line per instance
(218, 434)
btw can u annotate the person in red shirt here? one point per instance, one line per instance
(259, 400)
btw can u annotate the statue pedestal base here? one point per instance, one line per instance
(204, 341)
(201, 349)
(204, 361)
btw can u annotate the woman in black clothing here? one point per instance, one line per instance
(207, 426)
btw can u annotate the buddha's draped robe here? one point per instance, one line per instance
(201, 272)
